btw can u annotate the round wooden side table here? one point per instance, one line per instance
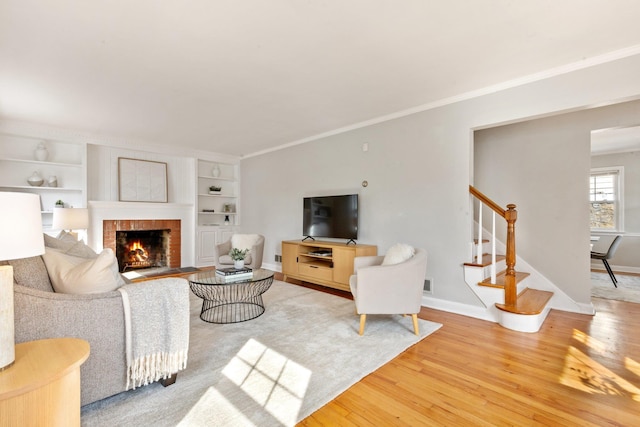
(42, 387)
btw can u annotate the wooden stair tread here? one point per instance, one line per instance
(529, 301)
(486, 261)
(500, 278)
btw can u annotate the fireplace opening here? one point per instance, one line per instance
(137, 249)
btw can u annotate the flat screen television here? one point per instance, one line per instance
(331, 216)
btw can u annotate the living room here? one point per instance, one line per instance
(416, 157)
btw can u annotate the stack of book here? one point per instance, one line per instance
(234, 274)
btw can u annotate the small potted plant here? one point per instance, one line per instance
(214, 189)
(59, 204)
(238, 255)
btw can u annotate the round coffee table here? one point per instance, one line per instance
(230, 302)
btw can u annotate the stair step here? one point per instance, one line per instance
(486, 261)
(475, 241)
(500, 278)
(529, 301)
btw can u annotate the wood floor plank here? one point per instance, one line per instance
(579, 370)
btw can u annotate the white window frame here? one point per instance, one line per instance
(619, 196)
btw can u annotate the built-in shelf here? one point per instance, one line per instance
(63, 161)
(41, 163)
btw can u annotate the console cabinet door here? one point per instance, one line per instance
(343, 264)
(289, 258)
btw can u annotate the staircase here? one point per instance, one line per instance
(513, 304)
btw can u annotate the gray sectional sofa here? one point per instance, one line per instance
(98, 318)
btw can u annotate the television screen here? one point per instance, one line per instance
(331, 216)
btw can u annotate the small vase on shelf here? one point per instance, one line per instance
(215, 172)
(52, 181)
(42, 154)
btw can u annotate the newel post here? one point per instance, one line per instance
(510, 290)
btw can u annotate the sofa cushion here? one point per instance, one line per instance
(32, 273)
(398, 253)
(75, 275)
(68, 244)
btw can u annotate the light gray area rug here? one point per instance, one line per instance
(628, 287)
(274, 370)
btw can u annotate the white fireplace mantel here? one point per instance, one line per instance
(105, 210)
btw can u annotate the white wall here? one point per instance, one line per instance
(419, 168)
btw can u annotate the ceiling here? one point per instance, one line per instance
(240, 77)
(615, 140)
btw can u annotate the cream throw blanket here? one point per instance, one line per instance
(156, 329)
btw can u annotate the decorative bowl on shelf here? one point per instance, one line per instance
(35, 180)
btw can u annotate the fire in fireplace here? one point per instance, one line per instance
(142, 249)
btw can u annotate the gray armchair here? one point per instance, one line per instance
(253, 260)
(389, 289)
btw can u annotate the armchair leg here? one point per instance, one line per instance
(416, 330)
(363, 320)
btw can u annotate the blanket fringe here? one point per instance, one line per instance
(153, 367)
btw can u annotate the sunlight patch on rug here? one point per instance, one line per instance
(270, 379)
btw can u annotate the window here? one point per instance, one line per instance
(605, 198)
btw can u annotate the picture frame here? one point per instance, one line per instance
(142, 180)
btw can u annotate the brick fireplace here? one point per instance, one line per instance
(166, 232)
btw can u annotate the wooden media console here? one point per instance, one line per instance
(323, 263)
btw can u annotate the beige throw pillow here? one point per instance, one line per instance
(398, 253)
(75, 275)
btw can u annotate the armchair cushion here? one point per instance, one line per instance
(244, 241)
(398, 253)
(75, 275)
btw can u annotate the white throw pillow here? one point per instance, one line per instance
(398, 253)
(74, 275)
(244, 241)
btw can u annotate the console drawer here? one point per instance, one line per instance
(315, 271)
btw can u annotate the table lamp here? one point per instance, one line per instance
(20, 237)
(70, 219)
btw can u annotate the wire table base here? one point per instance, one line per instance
(230, 302)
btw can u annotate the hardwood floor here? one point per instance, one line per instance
(578, 370)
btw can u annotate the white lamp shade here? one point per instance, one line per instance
(20, 226)
(70, 219)
(20, 237)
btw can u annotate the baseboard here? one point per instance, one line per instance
(273, 267)
(475, 311)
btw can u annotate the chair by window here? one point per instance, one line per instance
(605, 256)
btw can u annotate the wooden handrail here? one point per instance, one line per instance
(487, 201)
(510, 215)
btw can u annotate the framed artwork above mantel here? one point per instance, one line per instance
(142, 180)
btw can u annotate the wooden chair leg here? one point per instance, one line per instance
(416, 330)
(363, 320)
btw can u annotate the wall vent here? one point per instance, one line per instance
(278, 258)
(428, 285)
